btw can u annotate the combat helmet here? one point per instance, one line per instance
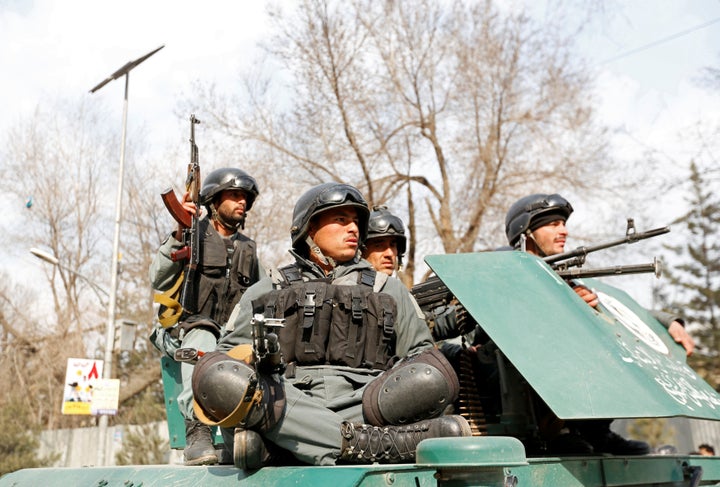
(382, 223)
(534, 211)
(321, 198)
(228, 178)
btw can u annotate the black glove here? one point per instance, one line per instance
(450, 321)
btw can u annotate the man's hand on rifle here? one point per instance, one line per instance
(188, 206)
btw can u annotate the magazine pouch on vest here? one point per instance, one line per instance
(362, 327)
(307, 310)
(332, 324)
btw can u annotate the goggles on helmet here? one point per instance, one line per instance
(338, 194)
(237, 182)
(551, 201)
(385, 224)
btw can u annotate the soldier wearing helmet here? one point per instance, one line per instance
(228, 266)
(536, 224)
(341, 396)
(386, 242)
(544, 212)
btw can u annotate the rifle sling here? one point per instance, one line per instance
(170, 308)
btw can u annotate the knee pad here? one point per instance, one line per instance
(228, 392)
(416, 388)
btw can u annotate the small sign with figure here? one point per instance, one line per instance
(80, 379)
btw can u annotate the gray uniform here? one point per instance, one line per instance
(320, 397)
(227, 268)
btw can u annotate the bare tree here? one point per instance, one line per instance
(470, 105)
(61, 152)
(67, 154)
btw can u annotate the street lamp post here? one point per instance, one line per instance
(51, 259)
(110, 331)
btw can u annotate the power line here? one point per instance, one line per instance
(661, 41)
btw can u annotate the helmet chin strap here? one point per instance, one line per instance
(540, 251)
(315, 250)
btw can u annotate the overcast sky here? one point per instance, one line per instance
(54, 49)
(649, 57)
(63, 48)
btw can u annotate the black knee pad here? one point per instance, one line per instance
(416, 388)
(228, 392)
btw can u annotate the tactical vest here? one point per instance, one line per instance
(332, 324)
(225, 273)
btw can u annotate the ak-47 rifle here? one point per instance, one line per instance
(192, 185)
(190, 222)
(576, 258)
(177, 303)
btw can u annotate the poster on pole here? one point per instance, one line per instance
(105, 396)
(80, 378)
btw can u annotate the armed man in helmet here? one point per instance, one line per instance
(536, 224)
(341, 398)
(385, 244)
(384, 248)
(228, 266)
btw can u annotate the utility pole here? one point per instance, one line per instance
(110, 328)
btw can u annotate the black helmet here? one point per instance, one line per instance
(323, 197)
(532, 212)
(228, 178)
(382, 223)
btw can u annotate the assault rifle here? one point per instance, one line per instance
(192, 184)
(191, 237)
(266, 347)
(576, 258)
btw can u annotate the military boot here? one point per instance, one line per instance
(249, 450)
(363, 443)
(199, 449)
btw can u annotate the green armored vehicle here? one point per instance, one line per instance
(582, 363)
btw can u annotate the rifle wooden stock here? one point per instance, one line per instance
(175, 208)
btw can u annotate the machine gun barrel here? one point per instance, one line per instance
(654, 267)
(579, 254)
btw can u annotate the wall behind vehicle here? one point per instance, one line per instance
(77, 447)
